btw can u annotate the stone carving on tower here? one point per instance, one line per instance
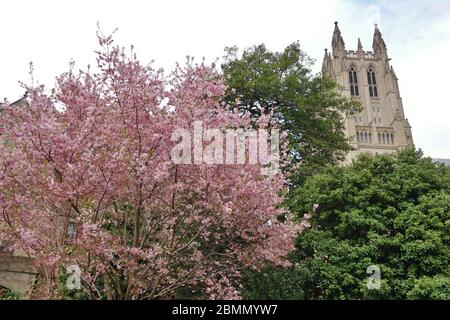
(366, 76)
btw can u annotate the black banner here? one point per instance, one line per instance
(227, 310)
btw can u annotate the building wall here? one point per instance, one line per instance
(17, 274)
(381, 127)
(16, 270)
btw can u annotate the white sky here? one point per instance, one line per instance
(417, 33)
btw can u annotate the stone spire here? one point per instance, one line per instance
(379, 47)
(393, 73)
(325, 57)
(360, 51)
(327, 64)
(360, 47)
(337, 44)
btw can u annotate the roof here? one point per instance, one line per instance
(22, 102)
(444, 161)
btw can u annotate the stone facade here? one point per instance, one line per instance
(366, 76)
(17, 273)
(16, 270)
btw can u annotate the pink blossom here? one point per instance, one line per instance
(96, 153)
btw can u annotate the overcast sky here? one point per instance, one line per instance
(417, 33)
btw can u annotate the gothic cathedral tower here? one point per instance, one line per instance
(381, 127)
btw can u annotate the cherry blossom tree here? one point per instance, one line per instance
(94, 155)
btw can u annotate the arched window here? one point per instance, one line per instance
(372, 81)
(353, 80)
(71, 231)
(370, 137)
(392, 138)
(366, 137)
(384, 138)
(379, 138)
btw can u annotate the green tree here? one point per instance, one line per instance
(309, 107)
(392, 211)
(431, 288)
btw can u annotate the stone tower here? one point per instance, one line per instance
(366, 76)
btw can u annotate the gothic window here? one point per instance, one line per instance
(379, 138)
(366, 137)
(383, 137)
(371, 80)
(375, 119)
(361, 137)
(71, 231)
(353, 80)
(370, 137)
(392, 138)
(379, 120)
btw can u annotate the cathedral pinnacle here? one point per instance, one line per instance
(360, 47)
(337, 43)
(378, 45)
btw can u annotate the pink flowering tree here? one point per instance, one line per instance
(94, 156)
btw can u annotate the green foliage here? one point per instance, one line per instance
(309, 107)
(431, 288)
(7, 294)
(389, 211)
(275, 283)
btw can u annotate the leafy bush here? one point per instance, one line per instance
(392, 211)
(431, 288)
